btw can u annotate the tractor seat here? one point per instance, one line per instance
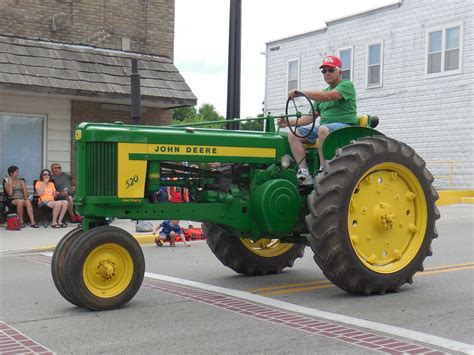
(364, 121)
(368, 121)
(315, 145)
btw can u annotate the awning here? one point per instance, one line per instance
(88, 73)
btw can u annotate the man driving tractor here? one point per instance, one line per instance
(337, 108)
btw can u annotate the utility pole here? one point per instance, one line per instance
(233, 69)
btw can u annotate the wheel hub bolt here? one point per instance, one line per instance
(355, 239)
(397, 254)
(372, 259)
(387, 220)
(386, 216)
(105, 270)
(412, 228)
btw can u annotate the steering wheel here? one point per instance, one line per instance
(298, 114)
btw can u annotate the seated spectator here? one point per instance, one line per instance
(169, 231)
(159, 196)
(162, 195)
(64, 184)
(15, 189)
(47, 196)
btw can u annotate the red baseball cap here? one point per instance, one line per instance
(331, 61)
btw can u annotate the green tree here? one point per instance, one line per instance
(206, 112)
(184, 113)
(254, 125)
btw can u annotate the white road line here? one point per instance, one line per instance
(378, 327)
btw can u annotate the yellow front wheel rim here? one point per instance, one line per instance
(387, 218)
(108, 270)
(267, 248)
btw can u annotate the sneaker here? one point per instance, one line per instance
(305, 179)
(159, 243)
(172, 244)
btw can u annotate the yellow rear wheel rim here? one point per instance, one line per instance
(108, 270)
(387, 218)
(267, 248)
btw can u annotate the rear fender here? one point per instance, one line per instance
(342, 137)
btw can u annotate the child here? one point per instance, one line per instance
(169, 230)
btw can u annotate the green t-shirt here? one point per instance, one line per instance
(343, 110)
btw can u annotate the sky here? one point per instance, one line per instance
(201, 41)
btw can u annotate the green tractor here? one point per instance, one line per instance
(369, 218)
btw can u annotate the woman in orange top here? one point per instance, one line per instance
(47, 194)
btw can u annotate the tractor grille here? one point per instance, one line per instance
(101, 169)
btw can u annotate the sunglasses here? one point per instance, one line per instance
(329, 70)
(46, 175)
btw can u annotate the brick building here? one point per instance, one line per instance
(412, 63)
(63, 62)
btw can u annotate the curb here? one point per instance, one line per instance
(141, 239)
(451, 197)
(145, 238)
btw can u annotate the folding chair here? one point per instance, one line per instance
(43, 213)
(7, 207)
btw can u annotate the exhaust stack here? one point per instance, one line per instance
(135, 93)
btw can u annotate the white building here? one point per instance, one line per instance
(412, 64)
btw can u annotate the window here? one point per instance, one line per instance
(346, 58)
(444, 50)
(293, 74)
(374, 64)
(21, 144)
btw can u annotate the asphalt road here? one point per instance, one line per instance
(167, 317)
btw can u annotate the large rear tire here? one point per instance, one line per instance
(57, 264)
(372, 216)
(104, 268)
(266, 256)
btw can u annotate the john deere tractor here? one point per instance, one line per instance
(369, 218)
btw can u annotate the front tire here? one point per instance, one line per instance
(251, 258)
(372, 216)
(57, 264)
(105, 268)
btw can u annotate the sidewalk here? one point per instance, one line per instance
(45, 239)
